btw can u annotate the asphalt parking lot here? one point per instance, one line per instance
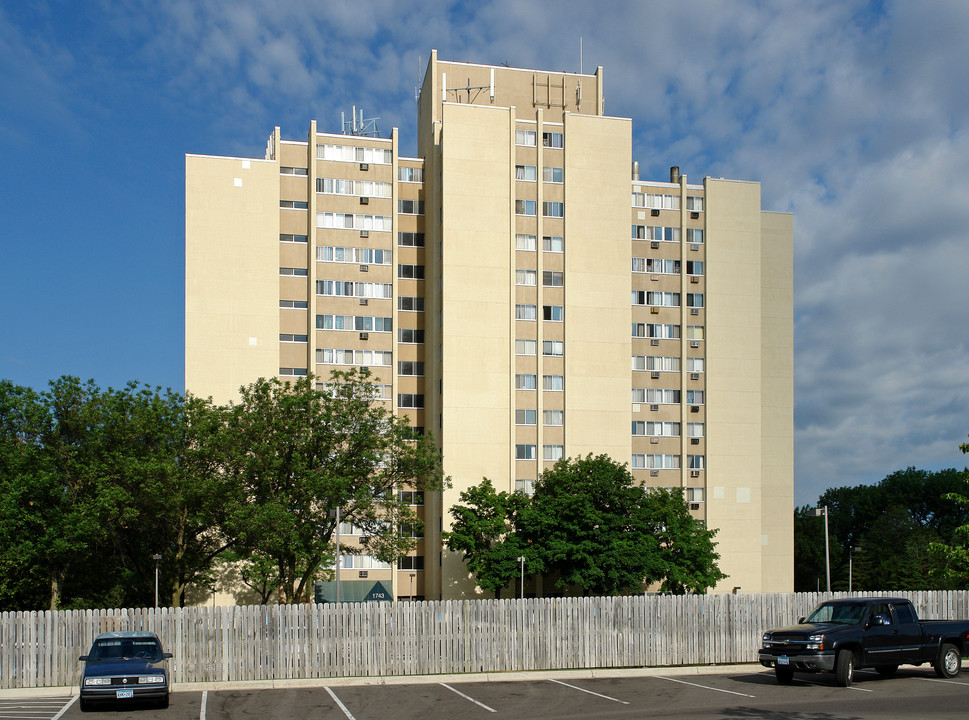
(736, 694)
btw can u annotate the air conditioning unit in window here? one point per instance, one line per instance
(694, 343)
(364, 368)
(364, 201)
(364, 233)
(654, 341)
(364, 268)
(654, 473)
(654, 212)
(364, 166)
(654, 310)
(694, 376)
(694, 473)
(694, 279)
(362, 573)
(654, 374)
(694, 506)
(654, 408)
(694, 311)
(695, 408)
(363, 301)
(654, 441)
(695, 215)
(694, 441)
(694, 247)
(654, 245)
(364, 336)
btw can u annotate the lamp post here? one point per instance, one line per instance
(157, 558)
(521, 559)
(412, 576)
(819, 512)
(336, 562)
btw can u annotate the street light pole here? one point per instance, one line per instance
(336, 570)
(157, 558)
(818, 512)
(521, 559)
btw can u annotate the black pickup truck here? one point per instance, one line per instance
(841, 636)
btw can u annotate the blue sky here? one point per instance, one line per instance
(851, 114)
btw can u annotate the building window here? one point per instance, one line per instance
(694, 203)
(638, 200)
(694, 430)
(553, 417)
(410, 272)
(656, 232)
(662, 331)
(349, 153)
(410, 400)
(656, 429)
(284, 371)
(412, 497)
(410, 562)
(694, 300)
(694, 267)
(663, 461)
(410, 368)
(410, 239)
(526, 173)
(694, 236)
(694, 364)
(694, 462)
(553, 140)
(656, 396)
(525, 277)
(694, 494)
(694, 397)
(553, 452)
(410, 304)
(552, 174)
(553, 278)
(298, 272)
(554, 313)
(290, 237)
(410, 207)
(283, 170)
(367, 358)
(525, 452)
(638, 461)
(656, 299)
(525, 312)
(359, 188)
(553, 382)
(353, 255)
(525, 347)
(694, 332)
(526, 138)
(526, 417)
(524, 242)
(410, 336)
(294, 204)
(661, 266)
(356, 323)
(525, 486)
(525, 381)
(293, 304)
(656, 363)
(553, 243)
(554, 348)
(349, 221)
(524, 207)
(409, 174)
(342, 288)
(657, 201)
(553, 209)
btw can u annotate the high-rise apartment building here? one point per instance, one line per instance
(495, 290)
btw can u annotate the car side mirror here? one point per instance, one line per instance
(85, 657)
(166, 655)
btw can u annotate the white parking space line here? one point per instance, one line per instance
(466, 697)
(705, 687)
(814, 682)
(205, 700)
(342, 706)
(947, 682)
(64, 709)
(576, 687)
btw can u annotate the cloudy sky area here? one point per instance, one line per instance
(852, 114)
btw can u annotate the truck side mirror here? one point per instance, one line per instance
(800, 620)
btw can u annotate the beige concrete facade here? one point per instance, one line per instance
(491, 285)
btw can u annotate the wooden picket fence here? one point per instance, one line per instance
(284, 642)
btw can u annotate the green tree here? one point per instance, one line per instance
(688, 557)
(809, 565)
(484, 529)
(293, 453)
(591, 525)
(953, 558)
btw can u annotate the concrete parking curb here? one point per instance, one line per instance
(532, 675)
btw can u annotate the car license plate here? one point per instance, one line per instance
(121, 694)
(783, 661)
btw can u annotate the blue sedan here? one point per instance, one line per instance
(125, 666)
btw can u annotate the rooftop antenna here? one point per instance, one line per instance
(358, 125)
(417, 87)
(580, 54)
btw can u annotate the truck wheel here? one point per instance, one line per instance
(784, 675)
(886, 670)
(844, 667)
(948, 663)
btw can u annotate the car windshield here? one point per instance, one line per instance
(126, 648)
(847, 613)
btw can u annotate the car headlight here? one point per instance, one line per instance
(97, 681)
(766, 637)
(815, 642)
(151, 679)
